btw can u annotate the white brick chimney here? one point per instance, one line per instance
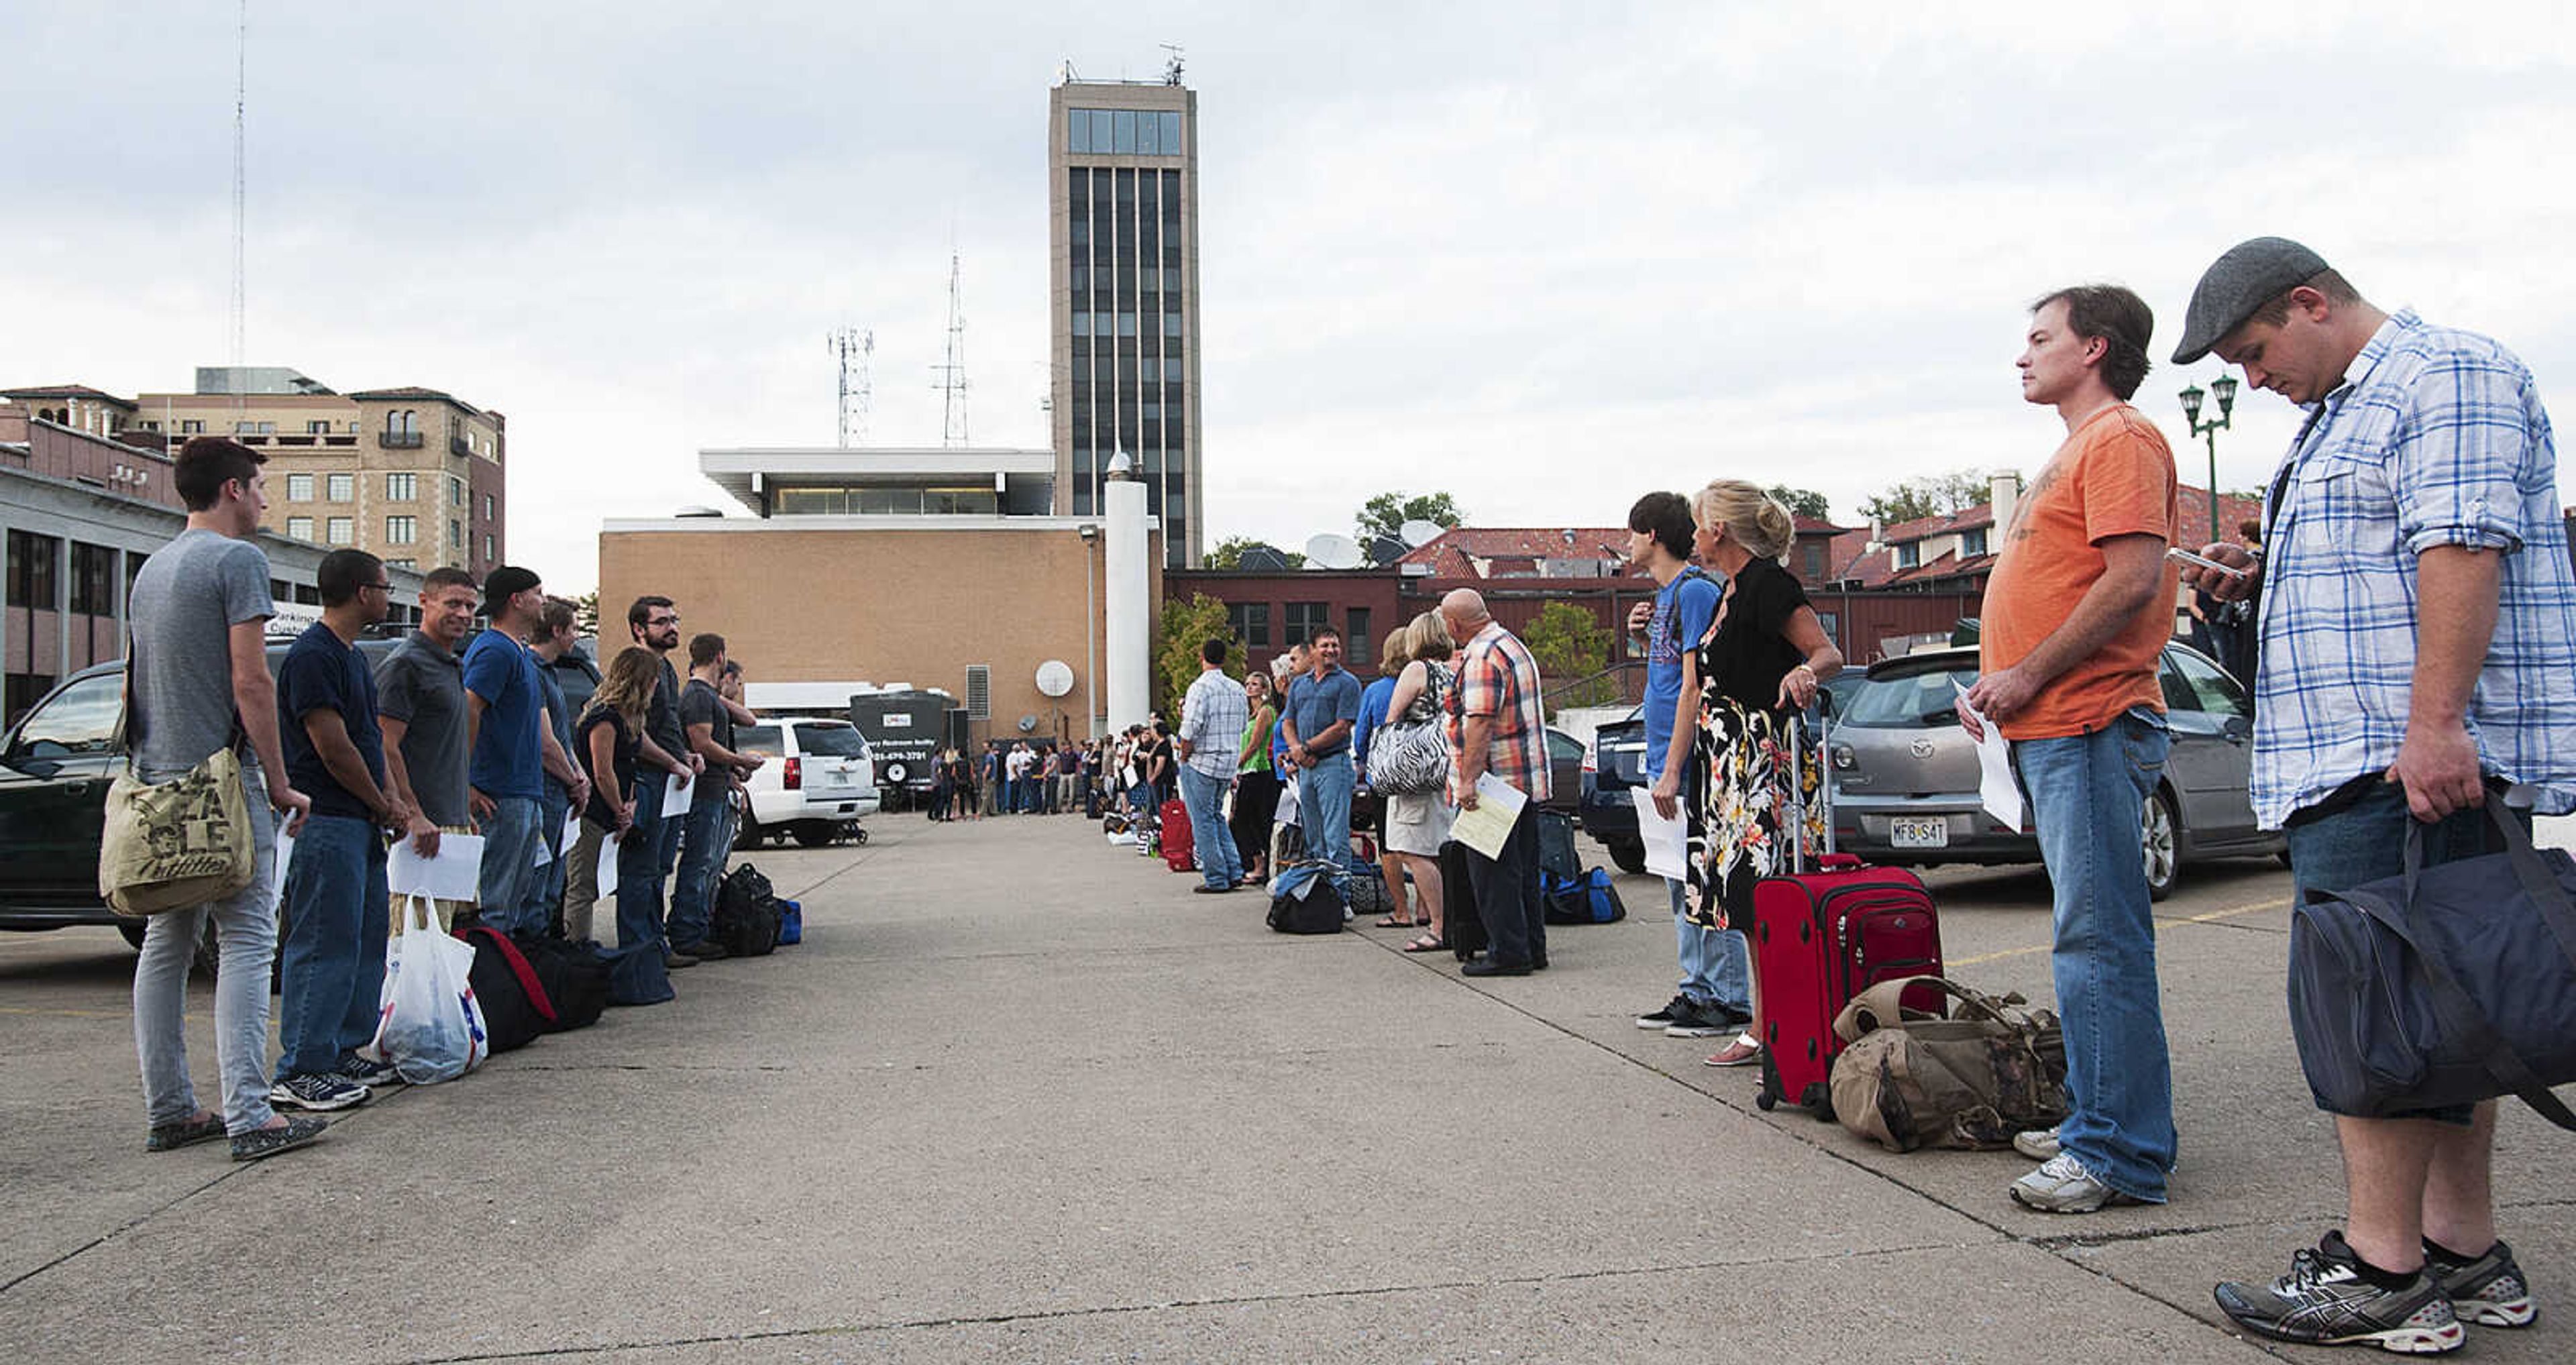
(2003, 492)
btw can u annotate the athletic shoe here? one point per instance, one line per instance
(2486, 1292)
(1673, 1009)
(673, 960)
(170, 1137)
(320, 1092)
(1705, 1021)
(267, 1142)
(373, 1075)
(2062, 1185)
(2039, 1144)
(704, 950)
(2325, 1301)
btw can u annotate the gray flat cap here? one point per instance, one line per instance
(2250, 275)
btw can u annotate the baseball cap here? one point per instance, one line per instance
(2251, 274)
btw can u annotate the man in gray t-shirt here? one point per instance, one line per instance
(186, 600)
(420, 702)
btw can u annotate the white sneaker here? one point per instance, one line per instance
(2039, 1144)
(2062, 1185)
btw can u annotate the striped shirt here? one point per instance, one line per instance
(1498, 678)
(2436, 437)
(1213, 714)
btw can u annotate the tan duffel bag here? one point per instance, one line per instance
(1909, 1079)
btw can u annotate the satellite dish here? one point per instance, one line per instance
(1330, 551)
(1384, 550)
(1418, 533)
(1055, 677)
(1262, 559)
(1028, 724)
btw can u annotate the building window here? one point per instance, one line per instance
(1171, 324)
(192, 426)
(1355, 644)
(299, 528)
(455, 491)
(1909, 554)
(342, 487)
(1304, 619)
(31, 570)
(299, 488)
(455, 533)
(1972, 543)
(490, 549)
(401, 530)
(1250, 622)
(491, 507)
(402, 564)
(1813, 557)
(246, 428)
(401, 487)
(317, 427)
(93, 579)
(343, 530)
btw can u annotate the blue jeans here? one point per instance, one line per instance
(2088, 798)
(336, 921)
(1324, 805)
(639, 862)
(1219, 864)
(702, 860)
(544, 905)
(1715, 966)
(509, 866)
(2365, 842)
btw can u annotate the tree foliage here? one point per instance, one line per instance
(1572, 647)
(1187, 626)
(1802, 502)
(1228, 553)
(585, 613)
(1930, 496)
(1385, 513)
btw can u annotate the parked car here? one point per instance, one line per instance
(1612, 772)
(819, 782)
(1906, 775)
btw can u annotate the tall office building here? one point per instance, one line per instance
(1124, 227)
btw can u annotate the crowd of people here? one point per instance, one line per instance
(431, 742)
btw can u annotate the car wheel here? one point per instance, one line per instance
(1630, 855)
(205, 958)
(750, 835)
(2162, 845)
(815, 834)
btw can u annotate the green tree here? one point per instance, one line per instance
(1383, 514)
(1803, 502)
(585, 613)
(1228, 553)
(1187, 627)
(1930, 496)
(1572, 648)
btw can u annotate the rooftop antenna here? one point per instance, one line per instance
(855, 350)
(1172, 64)
(241, 100)
(952, 375)
(1070, 75)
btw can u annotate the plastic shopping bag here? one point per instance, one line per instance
(429, 1027)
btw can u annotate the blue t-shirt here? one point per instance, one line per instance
(559, 719)
(1373, 700)
(509, 748)
(1693, 596)
(322, 673)
(1315, 703)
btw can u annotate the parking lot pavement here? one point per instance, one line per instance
(1021, 1095)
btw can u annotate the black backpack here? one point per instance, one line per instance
(574, 976)
(1319, 911)
(515, 1008)
(747, 913)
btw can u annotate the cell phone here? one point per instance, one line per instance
(2203, 561)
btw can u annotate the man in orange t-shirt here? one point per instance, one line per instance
(2075, 620)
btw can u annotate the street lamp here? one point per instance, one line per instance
(2223, 388)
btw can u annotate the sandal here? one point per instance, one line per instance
(1391, 922)
(1742, 1052)
(1427, 944)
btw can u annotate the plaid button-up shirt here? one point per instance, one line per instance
(1498, 678)
(2436, 437)
(1213, 714)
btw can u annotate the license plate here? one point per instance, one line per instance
(1932, 833)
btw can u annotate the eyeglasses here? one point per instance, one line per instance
(663, 621)
(376, 587)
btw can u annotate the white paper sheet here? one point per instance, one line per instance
(1667, 841)
(542, 855)
(456, 874)
(608, 866)
(1996, 786)
(571, 831)
(1498, 805)
(675, 796)
(285, 860)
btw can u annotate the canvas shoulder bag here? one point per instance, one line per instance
(176, 844)
(1912, 1080)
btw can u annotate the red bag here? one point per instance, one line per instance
(1178, 850)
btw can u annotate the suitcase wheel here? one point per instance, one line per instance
(1765, 1101)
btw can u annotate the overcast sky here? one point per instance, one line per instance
(1544, 257)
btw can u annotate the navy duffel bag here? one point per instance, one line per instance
(2441, 985)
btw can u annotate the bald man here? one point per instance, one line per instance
(1498, 726)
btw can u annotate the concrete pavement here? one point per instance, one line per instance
(1022, 1096)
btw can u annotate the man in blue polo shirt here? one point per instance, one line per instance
(334, 965)
(1323, 706)
(512, 747)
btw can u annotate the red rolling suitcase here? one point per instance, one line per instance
(1177, 849)
(1821, 937)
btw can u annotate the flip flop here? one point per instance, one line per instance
(1427, 944)
(1391, 922)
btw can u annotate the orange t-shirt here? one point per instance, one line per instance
(2113, 477)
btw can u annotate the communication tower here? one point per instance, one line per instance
(855, 350)
(952, 375)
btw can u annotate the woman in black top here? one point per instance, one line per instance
(1744, 684)
(604, 743)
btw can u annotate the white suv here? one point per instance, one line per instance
(820, 778)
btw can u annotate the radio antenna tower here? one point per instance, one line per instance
(241, 87)
(855, 350)
(1172, 64)
(952, 375)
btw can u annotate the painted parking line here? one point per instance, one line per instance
(2207, 917)
(74, 1014)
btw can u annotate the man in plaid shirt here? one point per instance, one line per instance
(1213, 714)
(1497, 724)
(2418, 640)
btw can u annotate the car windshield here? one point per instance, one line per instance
(830, 741)
(1905, 701)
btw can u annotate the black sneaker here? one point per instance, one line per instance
(674, 960)
(2486, 1292)
(373, 1075)
(1673, 1009)
(704, 950)
(170, 1137)
(2324, 1301)
(1706, 1021)
(267, 1142)
(320, 1092)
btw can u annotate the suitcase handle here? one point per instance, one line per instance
(1839, 862)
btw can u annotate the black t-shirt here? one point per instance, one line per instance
(1751, 653)
(701, 704)
(662, 717)
(321, 673)
(599, 811)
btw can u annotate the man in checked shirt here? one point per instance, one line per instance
(2417, 619)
